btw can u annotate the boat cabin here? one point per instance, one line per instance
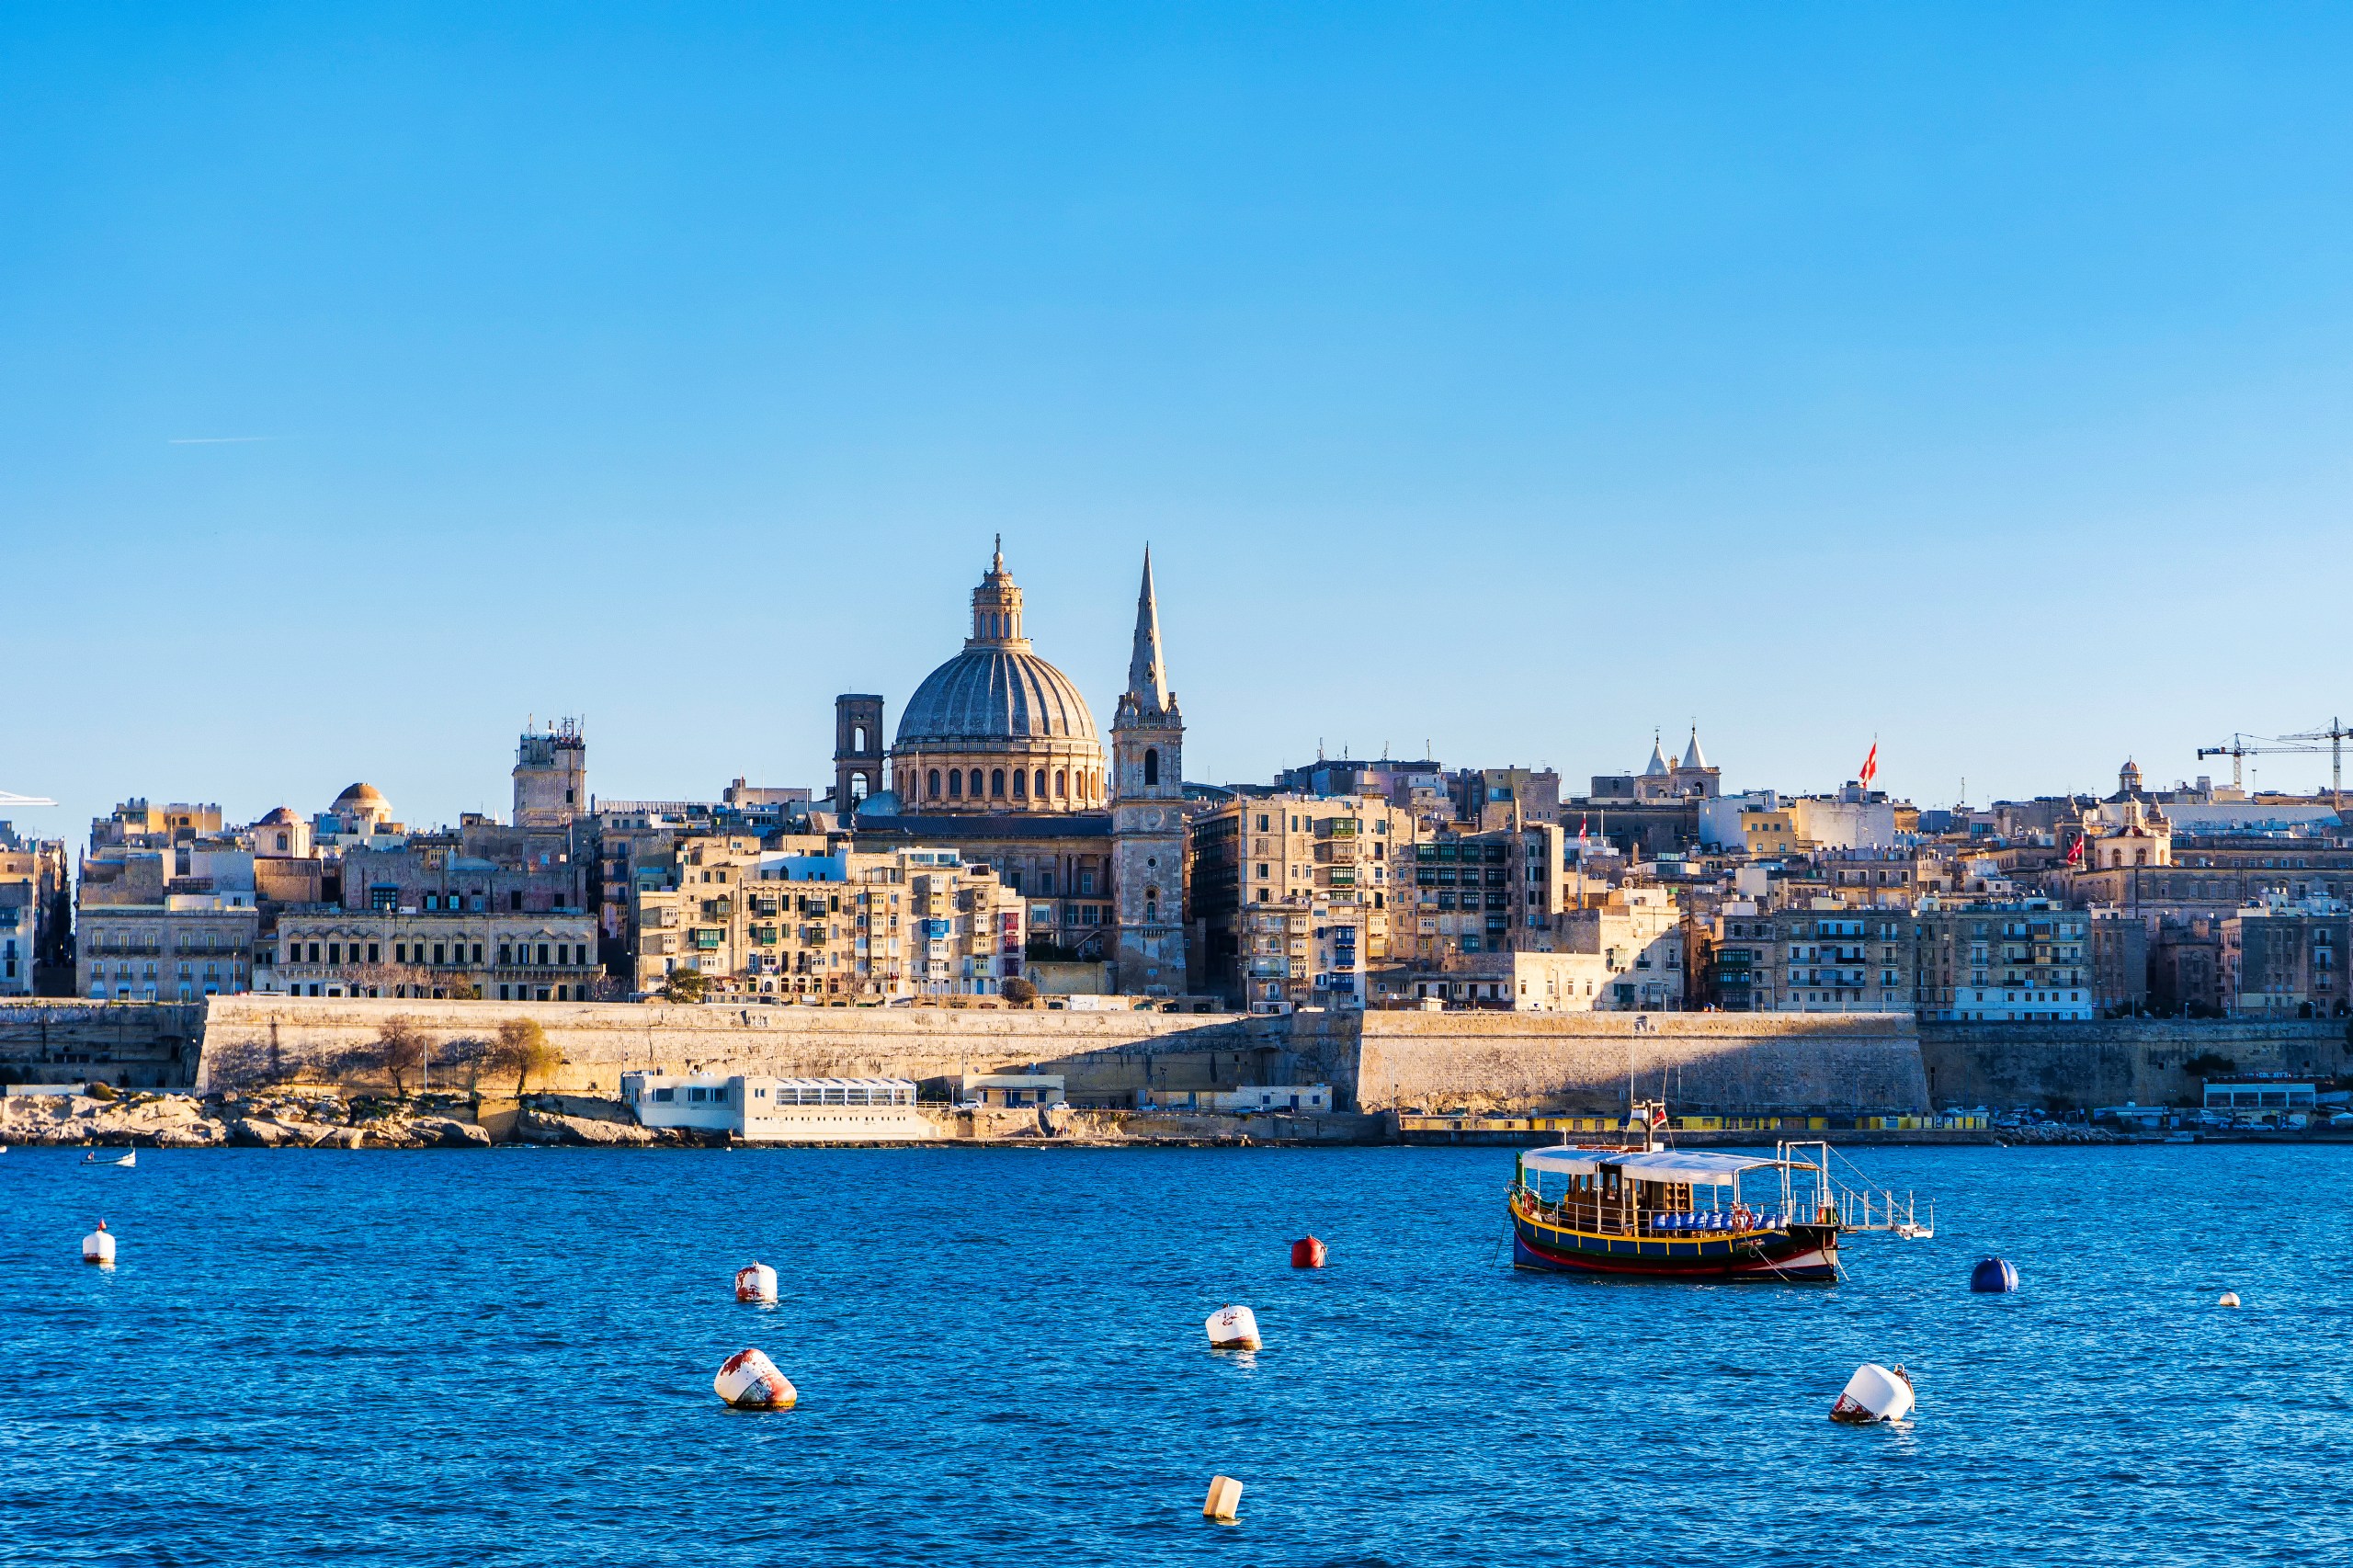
(1671, 1192)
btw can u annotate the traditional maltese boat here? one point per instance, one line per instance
(1677, 1215)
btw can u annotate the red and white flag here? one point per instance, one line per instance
(1581, 822)
(1870, 768)
(2075, 853)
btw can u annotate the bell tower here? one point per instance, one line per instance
(858, 749)
(1148, 814)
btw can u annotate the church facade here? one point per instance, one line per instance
(997, 755)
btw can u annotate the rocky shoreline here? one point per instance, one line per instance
(318, 1119)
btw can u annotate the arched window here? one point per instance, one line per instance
(1061, 782)
(935, 783)
(1038, 787)
(857, 739)
(976, 783)
(956, 785)
(1152, 903)
(1151, 765)
(1020, 785)
(997, 783)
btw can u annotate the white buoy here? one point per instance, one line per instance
(749, 1380)
(1232, 1328)
(1225, 1501)
(756, 1283)
(2230, 1297)
(98, 1247)
(1874, 1393)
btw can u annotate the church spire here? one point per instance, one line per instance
(1147, 672)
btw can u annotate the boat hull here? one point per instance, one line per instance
(1789, 1255)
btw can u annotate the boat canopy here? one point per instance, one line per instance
(1653, 1164)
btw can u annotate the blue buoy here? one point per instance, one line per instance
(1994, 1276)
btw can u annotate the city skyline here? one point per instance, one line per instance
(644, 766)
(1814, 378)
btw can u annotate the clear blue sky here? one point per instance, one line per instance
(1514, 380)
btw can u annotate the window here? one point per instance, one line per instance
(543, 955)
(506, 956)
(1039, 787)
(956, 785)
(514, 900)
(934, 781)
(1151, 765)
(439, 950)
(372, 951)
(1062, 783)
(996, 784)
(1020, 785)
(857, 739)
(334, 952)
(976, 783)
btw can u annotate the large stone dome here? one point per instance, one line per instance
(996, 728)
(994, 693)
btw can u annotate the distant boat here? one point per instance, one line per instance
(130, 1158)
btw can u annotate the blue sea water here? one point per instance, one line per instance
(505, 1358)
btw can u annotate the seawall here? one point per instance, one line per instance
(1107, 1055)
(147, 1045)
(1377, 1062)
(1581, 1062)
(2113, 1060)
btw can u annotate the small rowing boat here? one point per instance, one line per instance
(129, 1158)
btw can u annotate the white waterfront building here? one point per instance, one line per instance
(757, 1109)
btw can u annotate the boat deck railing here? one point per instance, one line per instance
(1610, 1219)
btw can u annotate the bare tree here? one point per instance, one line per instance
(402, 1048)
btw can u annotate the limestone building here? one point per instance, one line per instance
(1291, 896)
(804, 919)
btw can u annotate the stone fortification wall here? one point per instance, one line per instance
(1579, 1062)
(145, 1045)
(257, 1039)
(2113, 1060)
(1377, 1061)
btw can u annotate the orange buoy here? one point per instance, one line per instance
(1307, 1253)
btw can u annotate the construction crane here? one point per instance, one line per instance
(2331, 740)
(2334, 735)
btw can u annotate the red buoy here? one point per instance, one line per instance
(1307, 1254)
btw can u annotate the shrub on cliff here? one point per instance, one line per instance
(523, 1050)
